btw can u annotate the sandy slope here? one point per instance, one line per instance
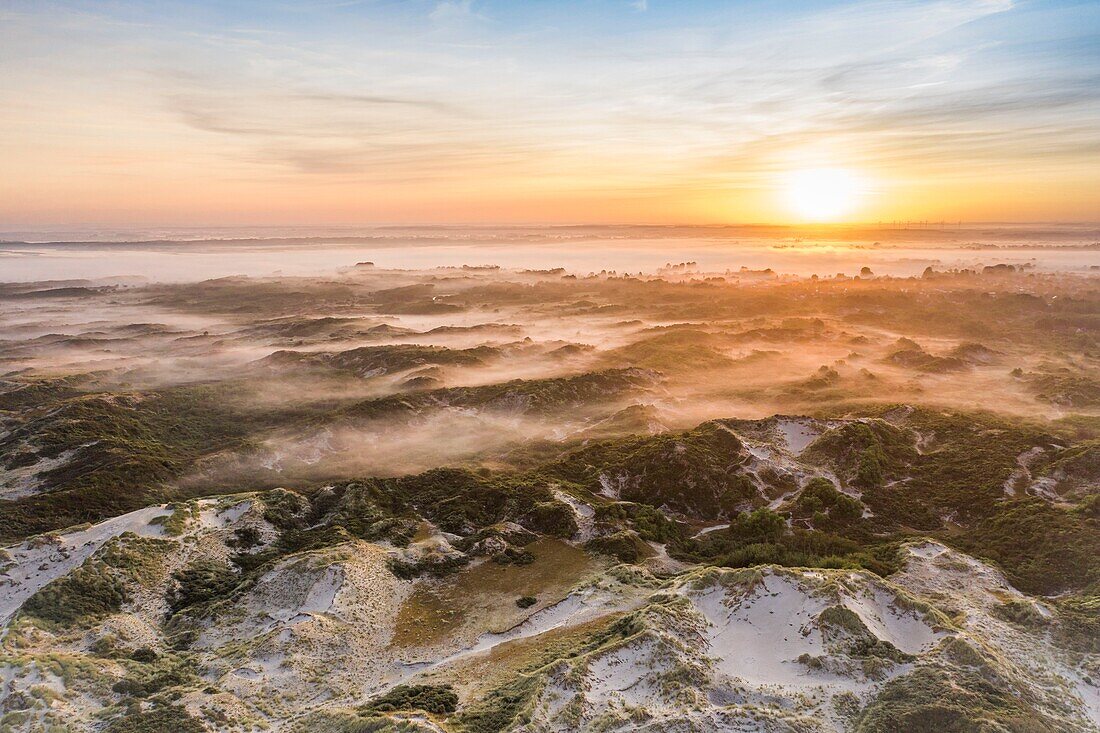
(760, 649)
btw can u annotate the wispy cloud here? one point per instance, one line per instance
(383, 93)
(450, 10)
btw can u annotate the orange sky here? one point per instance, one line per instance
(471, 112)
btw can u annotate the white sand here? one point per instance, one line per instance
(37, 562)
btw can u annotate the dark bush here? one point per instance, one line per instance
(554, 518)
(164, 719)
(91, 591)
(625, 546)
(437, 699)
(202, 582)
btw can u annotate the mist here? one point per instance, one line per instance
(369, 371)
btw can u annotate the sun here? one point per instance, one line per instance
(822, 194)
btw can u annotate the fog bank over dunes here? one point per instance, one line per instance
(890, 248)
(374, 371)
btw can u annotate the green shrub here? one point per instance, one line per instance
(866, 452)
(935, 700)
(245, 538)
(1044, 549)
(285, 510)
(821, 500)
(154, 677)
(338, 721)
(841, 622)
(202, 582)
(762, 525)
(624, 546)
(162, 719)
(458, 501)
(501, 708)
(1080, 627)
(688, 472)
(127, 450)
(1021, 613)
(871, 470)
(437, 699)
(175, 523)
(650, 523)
(553, 518)
(762, 537)
(87, 593)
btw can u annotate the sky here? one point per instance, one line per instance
(343, 112)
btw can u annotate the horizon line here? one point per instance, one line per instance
(893, 224)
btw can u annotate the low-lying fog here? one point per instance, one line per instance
(194, 255)
(384, 368)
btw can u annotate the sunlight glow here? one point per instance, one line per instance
(822, 194)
